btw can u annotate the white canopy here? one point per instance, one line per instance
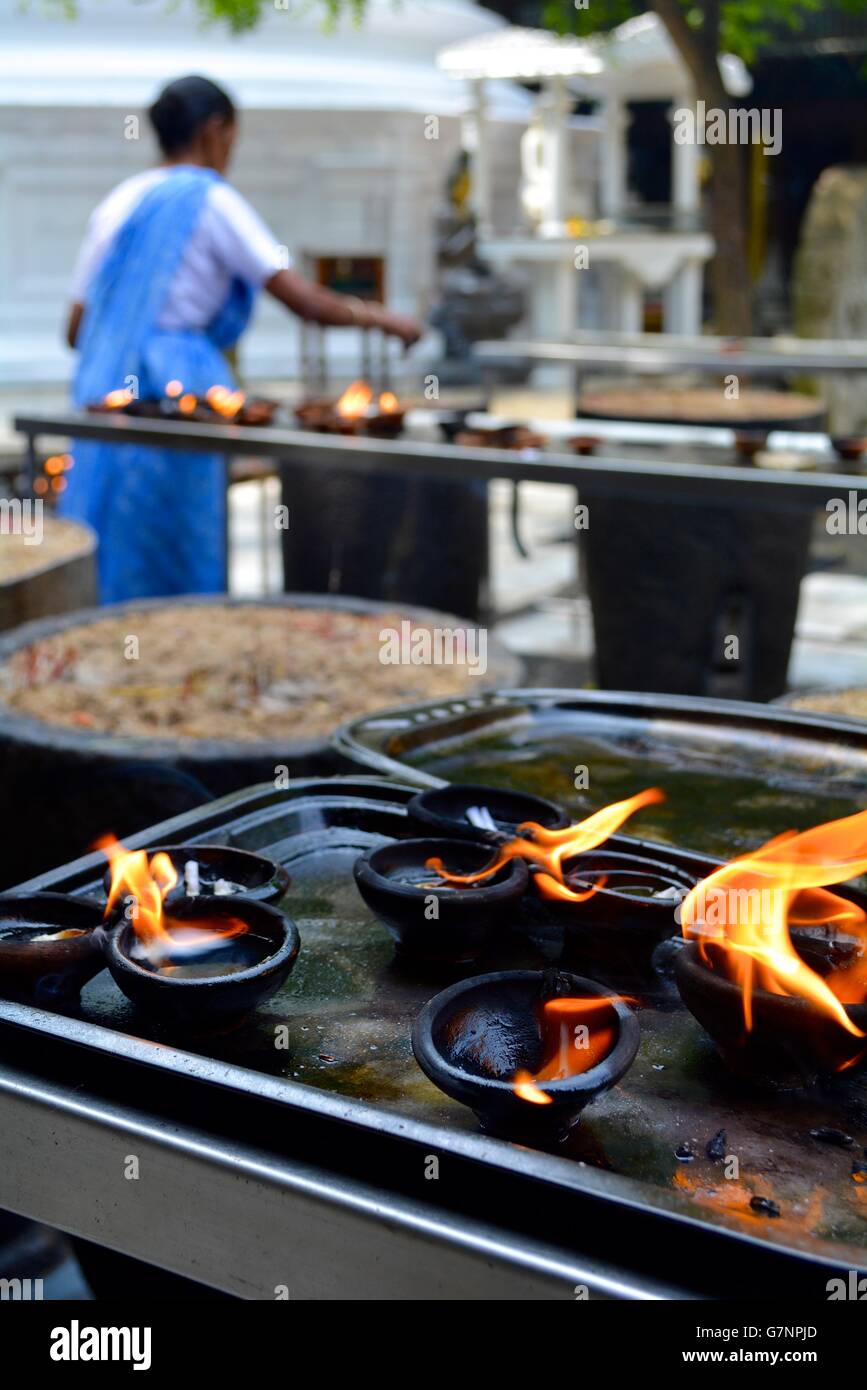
(637, 61)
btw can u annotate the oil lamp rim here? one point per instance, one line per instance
(277, 883)
(515, 873)
(613, 1064)
(288, 948)
(627, 860)
(17, 903)
(423, 806)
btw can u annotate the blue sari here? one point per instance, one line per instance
(160, 514)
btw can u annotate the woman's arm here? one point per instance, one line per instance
(74, 323)
(319, 305)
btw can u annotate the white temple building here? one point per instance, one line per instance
(338, 151)
(629, 255)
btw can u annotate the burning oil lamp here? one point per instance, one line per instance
(585, 444)
(629, 907)
(204, 965)
(526, 1050)
(850, 447)
(612, 906)
(50, 946)
(472, 812)
(431, 916)
(385, 421)
(220, 871)
(776, 965)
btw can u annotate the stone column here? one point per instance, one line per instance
(613, 155)
(685, 188)
(555, 109)
(554, 314)
(683, 299)
(480, 167)
(630, 302)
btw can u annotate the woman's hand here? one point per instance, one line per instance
(402, 326)
(319, 305)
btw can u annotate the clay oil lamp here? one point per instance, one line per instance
(584, 444)
(200, 966)
(385, 419)
(775, 968)
(631, 911)
(315, 415)
(239, 408)
(849, 447)
(432, 898)
(749, 443)
(526, 1050)
(471, 812)
(50, 946)
(351, 411)
(219, 871)
(612, 907)
(517, 437)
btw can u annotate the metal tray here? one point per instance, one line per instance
(616, 1187)
(734, 773)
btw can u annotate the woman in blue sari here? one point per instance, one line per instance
(165, 283)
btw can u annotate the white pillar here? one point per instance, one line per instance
(555, 109)
(684, 300)
(554, 314)
(685, 188)
(630, 308)
(613, 156)
(480, 160)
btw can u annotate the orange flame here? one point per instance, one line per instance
(575, 1040)
(740, 916)
(57, 464)
(187, 403)
(174, 388)
(355, 400)
(159, 936)
(388, 403)
(224, 401)
(116, 400)
(550, 849)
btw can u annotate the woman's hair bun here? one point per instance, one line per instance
(183, 106)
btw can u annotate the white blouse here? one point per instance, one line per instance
(229, 240)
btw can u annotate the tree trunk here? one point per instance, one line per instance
(729, 269)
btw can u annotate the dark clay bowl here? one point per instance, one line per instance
(443, 810)
(615, 926)
(472, 1038)
(216, 1001)
(252, 875)
(396, 886)
(48, 972)
(850, 447)
(791, 1042)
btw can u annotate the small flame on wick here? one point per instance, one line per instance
(355, 401)
(159, 937)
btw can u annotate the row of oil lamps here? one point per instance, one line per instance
(778, 977)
